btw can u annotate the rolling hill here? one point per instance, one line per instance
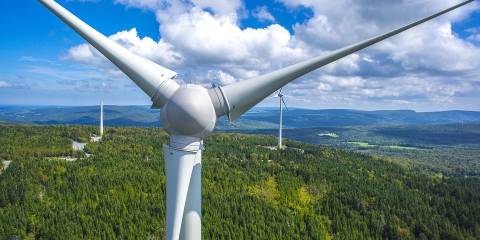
(257, 118)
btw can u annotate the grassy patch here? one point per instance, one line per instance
(363, 144)
(401, 147)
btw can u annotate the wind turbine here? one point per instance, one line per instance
(189, 112)
(101, 118)
(280, 95)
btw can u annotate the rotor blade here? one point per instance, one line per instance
(148, 75)
(244, 95)
(284, 104)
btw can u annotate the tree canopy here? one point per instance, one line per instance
(249, 191)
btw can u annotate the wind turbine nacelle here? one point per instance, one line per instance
(189, 112)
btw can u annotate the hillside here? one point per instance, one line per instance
(443, 142)
(452, 149)
(248, 190)
(257, 118)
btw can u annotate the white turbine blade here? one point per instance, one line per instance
(244, 95)
(284, 104)
(148, 75)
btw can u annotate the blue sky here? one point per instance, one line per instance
(433, 67)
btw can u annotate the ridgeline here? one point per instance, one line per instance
(256, 118)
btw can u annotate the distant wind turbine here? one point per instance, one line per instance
(190, 112)
(280, 96)
(101, 118)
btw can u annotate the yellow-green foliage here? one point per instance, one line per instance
(305, 197)
(267, 190)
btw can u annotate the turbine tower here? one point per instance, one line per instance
(101, 118)
(189, 112)
(280, 95)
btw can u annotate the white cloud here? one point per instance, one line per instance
(368, 59)
(262, 14)
(33, 59)
(219, 6)
(244, 74)
(475, 34)
(428, 63)
(474, 38)
(65, 73)
(149, 4)
(198, 38)
(95, 85)
(348, 64)
(160, 52)
(324, 87)
(218, 41)
(344, 83)
(83, 0)
(4, 84)
(86, 54)
(220, 77)
(17, 85)
(437, 51)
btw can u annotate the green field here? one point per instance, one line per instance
(402, 147)
(362, 144)
(365, 144)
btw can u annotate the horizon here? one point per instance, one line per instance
(432, 67)
(252, 109)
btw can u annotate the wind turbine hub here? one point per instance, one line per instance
(189, 112)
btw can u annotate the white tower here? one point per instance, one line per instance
(280, 95)
(280, 125)
(101, 118)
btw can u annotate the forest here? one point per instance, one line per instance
(451, 149)
(249, 191)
